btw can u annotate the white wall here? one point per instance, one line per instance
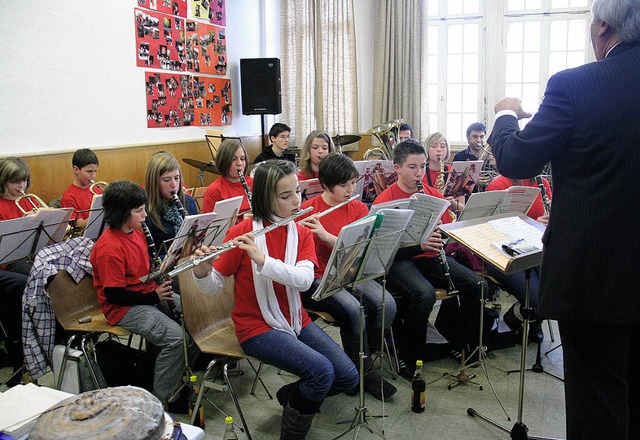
(69, 79)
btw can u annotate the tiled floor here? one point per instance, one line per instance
(446, 414)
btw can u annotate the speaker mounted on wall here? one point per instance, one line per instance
(260, 84)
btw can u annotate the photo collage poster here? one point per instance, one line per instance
(173, 7)
(212, 97)
(168, 100)
(160, 40)
(206, 48)
(170, 42)
(212, 10)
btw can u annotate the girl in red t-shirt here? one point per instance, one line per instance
(317, 146)
(230, 158)
(271, 325)
(15, 180)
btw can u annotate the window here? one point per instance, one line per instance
(480, 51)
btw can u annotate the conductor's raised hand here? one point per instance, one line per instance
(513, 104)
(164, 291)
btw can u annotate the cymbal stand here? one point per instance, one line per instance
(200, 177)
(360, 418)
(385, 352)
(519, 431)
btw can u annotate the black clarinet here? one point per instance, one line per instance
(179, 205)
(444, 264)
(543, 193)
(245, 185)
(151, 249)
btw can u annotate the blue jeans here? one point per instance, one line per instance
(345, 308)
(415, 281)
(313, 356)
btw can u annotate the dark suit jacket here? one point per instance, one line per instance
(588, 126)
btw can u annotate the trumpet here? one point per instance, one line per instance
(245, 186)
(333, 208)
(224, 247)
(100, 184)
(35, 201)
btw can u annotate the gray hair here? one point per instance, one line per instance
(622, 15)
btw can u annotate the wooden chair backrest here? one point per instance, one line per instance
(198, 196)
(208, 316)
(72, 302)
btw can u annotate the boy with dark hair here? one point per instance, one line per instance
(78, 195)
(414, 276)
(279, 138)
(119, 259)
(337, 175)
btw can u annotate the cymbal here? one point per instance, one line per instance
(346, 139)
(208, 167)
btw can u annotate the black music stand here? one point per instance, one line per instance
(360, 256)
(23, 237)
(477, 236)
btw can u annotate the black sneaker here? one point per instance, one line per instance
(536, 335)
(512, 320)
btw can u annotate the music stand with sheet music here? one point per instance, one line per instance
(95, 221)
(24, 236)
(511, 244)
(364, 251)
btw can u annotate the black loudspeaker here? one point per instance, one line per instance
(260, 78)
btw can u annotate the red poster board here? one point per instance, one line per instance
(212, 101)
(173, 7)
(160, 40)
(206, 48)
(175, 100)
(168, 100)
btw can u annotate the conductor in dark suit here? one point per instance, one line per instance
(588, 127)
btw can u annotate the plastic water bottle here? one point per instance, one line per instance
(418, 390)
(193, 397)
(229, 433)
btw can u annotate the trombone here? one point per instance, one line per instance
(35, 202)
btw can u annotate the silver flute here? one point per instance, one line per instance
(333, 208)
(227, 246)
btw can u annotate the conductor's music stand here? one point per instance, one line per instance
(480, 237)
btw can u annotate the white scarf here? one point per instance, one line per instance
(265, 293)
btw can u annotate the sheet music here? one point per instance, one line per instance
(309, 189)
(480, 237)
(427, 213)
(94, 221)
(194, 226)
(517, 229)
(227, 213)
(374, 177)
(386, 241)
(462, 178)
(518, 199)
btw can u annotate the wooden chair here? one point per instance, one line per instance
(207, 317)
(77, 309)
(198, 196)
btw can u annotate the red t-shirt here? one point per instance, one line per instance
(303, 175)
(333, 223)
(79, 199)
(119, 260)
(9, 210)
(246, 313)
(537, 208)
(394, 192)
(222, 189)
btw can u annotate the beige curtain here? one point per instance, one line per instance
(399, 78)
(318, 63)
